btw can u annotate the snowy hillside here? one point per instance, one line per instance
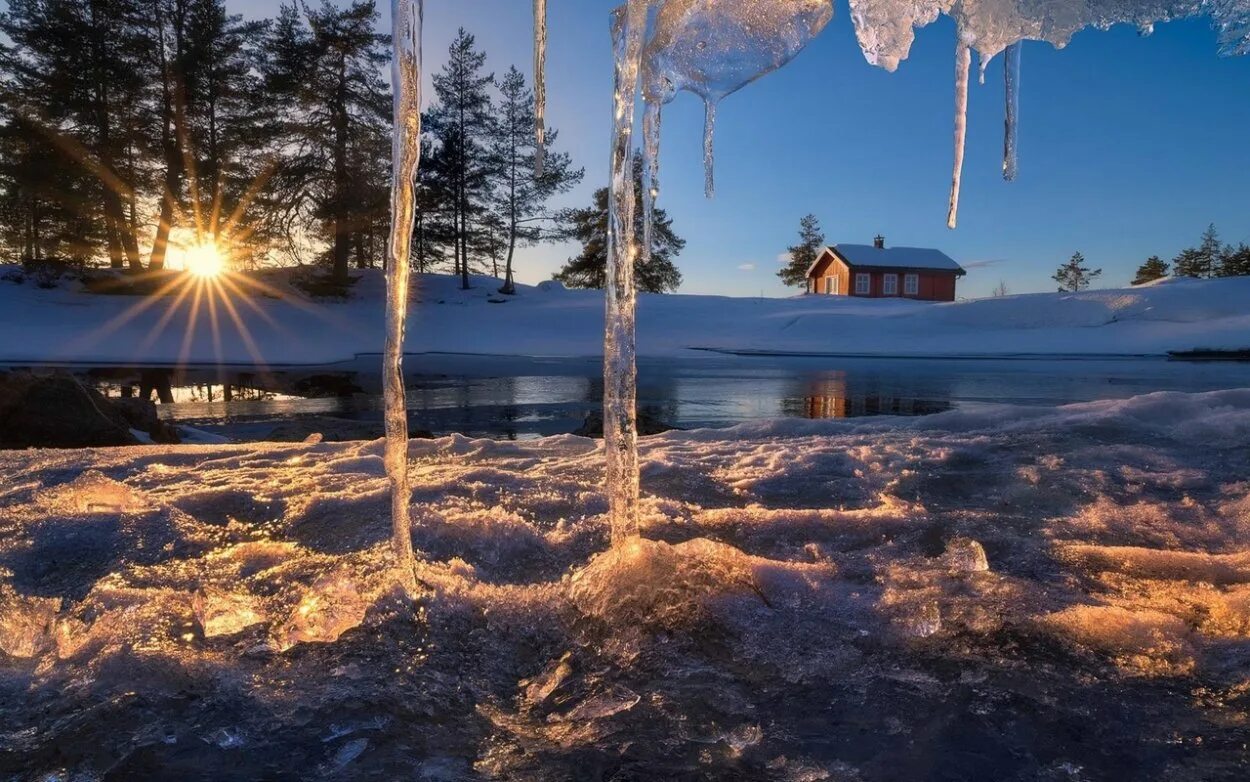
(285, 327)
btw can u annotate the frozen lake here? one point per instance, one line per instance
(520, 398)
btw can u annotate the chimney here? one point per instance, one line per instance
(879, 242)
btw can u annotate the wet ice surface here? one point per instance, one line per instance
(1001, 593)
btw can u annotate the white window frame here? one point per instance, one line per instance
(863, 284)
(889, 285)
(831, 285)
(911, 285)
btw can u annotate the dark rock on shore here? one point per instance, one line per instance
(58, 411)
(648, 424)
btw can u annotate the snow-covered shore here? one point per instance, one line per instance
(812, 604)
(283, 327)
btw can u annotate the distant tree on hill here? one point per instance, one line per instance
(520, 197)
(1235, 262)
(590, 227)
(1001, 290)
(462, 123)
(1075, 276)
(1202, 261)
(804, 254)
(1155, 268)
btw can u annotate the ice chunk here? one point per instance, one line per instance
(220, 612)
(921, 621)
(95, 492)
(646, 583)
(966, 556)
(714, 49)
(26, 623)
(332, 607)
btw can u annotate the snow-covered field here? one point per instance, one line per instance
(284, 327)
(989, 593)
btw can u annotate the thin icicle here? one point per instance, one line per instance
(963, 65)
(540, 84)
(651, 119)
(1011, 148)
(709, 149)
(620, 371)
(407, 17)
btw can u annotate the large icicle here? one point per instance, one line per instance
(620, 372)
(540, 84)
(406, 159)
(651, 121)
(1011, 148)
(963, 65)
(709, 149)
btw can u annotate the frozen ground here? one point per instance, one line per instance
(282, 327)
(811, 603)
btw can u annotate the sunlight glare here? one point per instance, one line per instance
(204, 260)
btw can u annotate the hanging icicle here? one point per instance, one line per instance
(540, 84)
(963, 65)
(1011, 149)
(406, 159)
(620, 371)
(709, 149)
(651, 120)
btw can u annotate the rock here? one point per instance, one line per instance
(57, 411)
(648, 424)
(141, 415)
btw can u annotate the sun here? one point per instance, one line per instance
(204, 260)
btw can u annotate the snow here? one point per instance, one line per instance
(69, 326)
(895, 257)
(810, 600)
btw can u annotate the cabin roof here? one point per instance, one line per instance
(869, 256)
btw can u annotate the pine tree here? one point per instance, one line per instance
(324, 67)
(804, 254)
(1236, 261)
(77, 72)
(590, 227)
(461, 124)
(1202, 261)
(1155, 268)
(520, 197)
(1075, 276)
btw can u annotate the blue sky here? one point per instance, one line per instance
(1130, 146)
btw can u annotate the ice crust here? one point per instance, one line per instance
(794, 579)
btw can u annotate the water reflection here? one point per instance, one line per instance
(521, 398)
(835, 395)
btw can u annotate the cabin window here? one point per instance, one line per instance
(911, 285)
(863, 284)
(831, 285)
(890, 285)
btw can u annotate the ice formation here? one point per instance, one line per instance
(540, 83)
(406, 158)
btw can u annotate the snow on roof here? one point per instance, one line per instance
(866, 255)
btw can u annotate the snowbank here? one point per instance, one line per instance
(988, 593)
(280, 326)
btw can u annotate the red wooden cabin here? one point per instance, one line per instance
(876, 272)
